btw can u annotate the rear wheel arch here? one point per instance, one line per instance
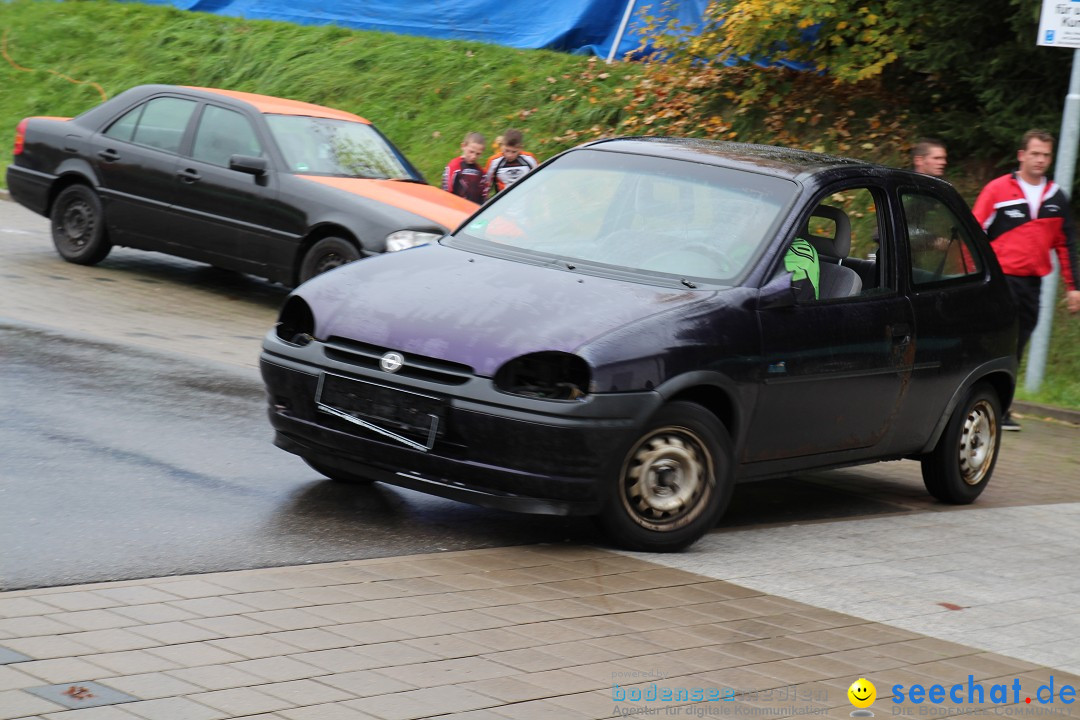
(62, 183)
(1003, 384)
(999, 376)
(959, 467)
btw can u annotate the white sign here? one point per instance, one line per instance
(1059, 24)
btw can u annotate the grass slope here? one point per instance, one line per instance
(424, 94)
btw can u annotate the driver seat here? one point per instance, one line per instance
(836, 281)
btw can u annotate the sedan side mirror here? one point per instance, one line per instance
(250, 164)
(777, 293)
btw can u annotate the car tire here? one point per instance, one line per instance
(327, 254)
(958, 469)
(674, 482)
(78, 226)
(336, 475)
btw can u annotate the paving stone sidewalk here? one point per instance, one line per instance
(531, 632)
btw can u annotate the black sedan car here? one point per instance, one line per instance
(618, 335)
(273, 187)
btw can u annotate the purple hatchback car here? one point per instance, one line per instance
(640, 324)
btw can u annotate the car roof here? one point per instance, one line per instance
(269, 105)
(773, 160)
(266, 104)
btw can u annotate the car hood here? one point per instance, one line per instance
(476, 310)
(428, 202)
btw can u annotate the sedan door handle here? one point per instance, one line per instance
(189, 175)
(901, 334)
(109, 155)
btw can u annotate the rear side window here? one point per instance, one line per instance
(223, 133)
(159, 123)
(941, 247)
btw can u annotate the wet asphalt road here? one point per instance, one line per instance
(119, 463)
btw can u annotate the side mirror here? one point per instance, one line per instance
(777, 293)
(250, 164)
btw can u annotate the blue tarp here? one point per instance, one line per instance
(585, 26)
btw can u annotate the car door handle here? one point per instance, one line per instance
(901, 334)
(189, 175)
(109, 155)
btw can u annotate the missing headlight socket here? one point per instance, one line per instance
(545, 375)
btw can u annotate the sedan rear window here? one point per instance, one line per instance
(636, 213)
(339, 148)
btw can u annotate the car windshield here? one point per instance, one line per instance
(622, 212)
(320, 146)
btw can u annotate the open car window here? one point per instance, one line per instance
(837, 251)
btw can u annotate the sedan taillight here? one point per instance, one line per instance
(20, 136)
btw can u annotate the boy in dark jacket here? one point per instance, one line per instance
(462, 175)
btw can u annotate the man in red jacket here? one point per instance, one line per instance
(1026, 215)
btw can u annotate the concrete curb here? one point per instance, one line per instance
(1047, 411)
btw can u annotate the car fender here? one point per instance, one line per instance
(718, 393)
(1000, 370)
(369, 235)
(337, 227)
(367, 219)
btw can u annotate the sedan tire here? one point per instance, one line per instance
(959, 467)
(327, 254)
(78, 226)
(674, 483)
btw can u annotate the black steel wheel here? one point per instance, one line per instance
(78, 226)
(674, 483)
(338, 475)
(327, 254)
(959, 467)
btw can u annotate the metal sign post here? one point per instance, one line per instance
(1059, 26)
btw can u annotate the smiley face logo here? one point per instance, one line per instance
(862, 693)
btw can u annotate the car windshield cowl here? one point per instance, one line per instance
(583, 267)
(659, 220)
(351, 176)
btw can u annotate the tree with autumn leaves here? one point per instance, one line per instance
(885, 71)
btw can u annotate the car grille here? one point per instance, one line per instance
(416, 366)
